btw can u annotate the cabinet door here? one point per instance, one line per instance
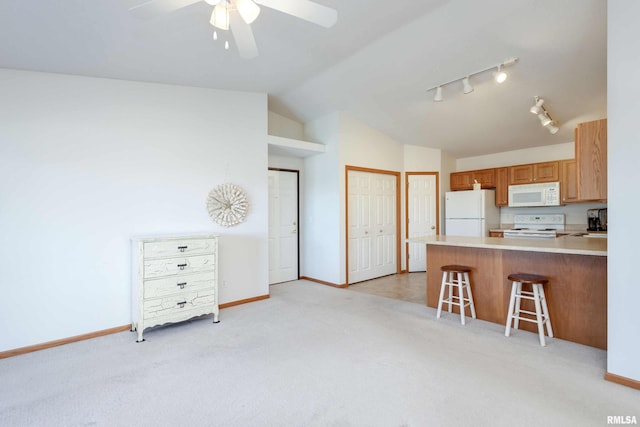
(486, 177)
(546, 172)
(569, 181)
(591, 158)
(502, 186)
(521, 174)
(461, 181)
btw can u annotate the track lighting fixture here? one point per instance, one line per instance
(438, 96)
(466, 86)
(543, 115)
(499, 75)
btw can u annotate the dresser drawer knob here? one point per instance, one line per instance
(182, 266)
(182, 285)
(182, 248)
(182, 303)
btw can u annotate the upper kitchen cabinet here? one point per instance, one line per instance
(502, 186)
(569, 181)
(464, 180)
(461, 181)
(591, 160)
(534, 173)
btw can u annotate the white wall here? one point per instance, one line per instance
(624, 175)
(320, 240)
(87, 163)
(546, 153)
(283, 126)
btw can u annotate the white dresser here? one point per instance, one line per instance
(174, 279)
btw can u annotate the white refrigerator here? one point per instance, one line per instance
(471, 213)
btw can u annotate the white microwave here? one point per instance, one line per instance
(542, 194)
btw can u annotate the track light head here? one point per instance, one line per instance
(438, 96)
(537, 108)
(552, 129)
(500, 76)
(544, 119)
(466, 86)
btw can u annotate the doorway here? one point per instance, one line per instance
(372, 223)
(422, 215)
(283, 225)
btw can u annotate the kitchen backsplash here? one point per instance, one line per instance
(575, 214)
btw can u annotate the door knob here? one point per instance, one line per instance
(433, 227)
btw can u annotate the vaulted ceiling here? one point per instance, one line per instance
(376, 63)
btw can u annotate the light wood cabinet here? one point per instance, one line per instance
(591, 160)
(502, 187)
(534, 173)
(464, 180)
(496, 234)
(569, 181)
(174, 279)
(461, 181)
(486, 178)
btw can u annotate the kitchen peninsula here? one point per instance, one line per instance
(576, 268)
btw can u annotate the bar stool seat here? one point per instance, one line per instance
(456, 276)
(536, 294)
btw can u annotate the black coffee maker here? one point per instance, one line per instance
(597, 219)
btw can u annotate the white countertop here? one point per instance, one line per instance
(562, 245)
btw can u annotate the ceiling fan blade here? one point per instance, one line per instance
(243, 36)
(153, 8)
(304, 9)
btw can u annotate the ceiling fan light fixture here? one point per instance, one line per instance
(438, 96)
(220, 16)
(248, 10)
(466, 86)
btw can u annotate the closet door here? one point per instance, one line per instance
(371, 225)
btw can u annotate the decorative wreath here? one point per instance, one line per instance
(227, 204)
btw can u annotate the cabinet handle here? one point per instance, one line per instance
(182, 303)
(182, 285)
(182, 248)
(182, 266)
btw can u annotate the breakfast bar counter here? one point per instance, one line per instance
(575, 266)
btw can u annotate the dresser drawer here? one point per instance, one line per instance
(178, 284)
(175, 248)
(175, 307)
(178, 266)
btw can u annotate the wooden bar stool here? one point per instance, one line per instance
(537, 295)
(456, 276)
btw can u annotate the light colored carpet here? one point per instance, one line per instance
(312, 355)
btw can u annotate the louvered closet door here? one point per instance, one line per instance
(372, 225)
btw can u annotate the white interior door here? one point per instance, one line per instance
(371, 225)
(422, 217)
(283, 226)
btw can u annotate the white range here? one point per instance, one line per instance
(544, 226)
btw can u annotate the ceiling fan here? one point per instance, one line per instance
(237, 15)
